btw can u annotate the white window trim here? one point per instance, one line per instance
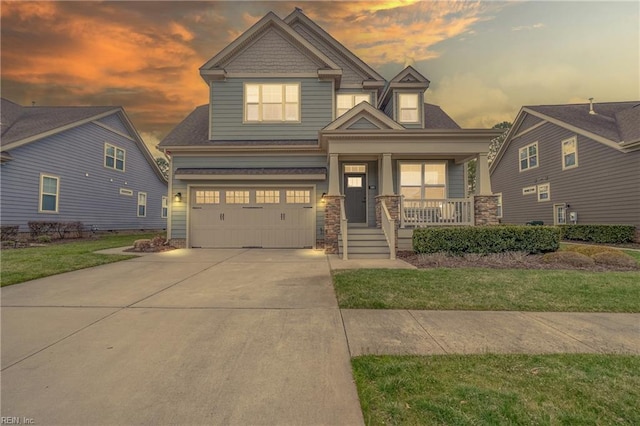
(529, 190)
(352, 96)
(164, 207)
(127, 192)
(555, 213)
(260, 103)
(529, 167)
(548, 191)
(575, 140)
(115, 153)
(399, 109)
(41, 193)
(423, 185)
(146, 199)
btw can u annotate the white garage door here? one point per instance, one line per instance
(251, 217)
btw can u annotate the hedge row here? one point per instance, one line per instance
(599, 233)
(486, 239)
(55, 229)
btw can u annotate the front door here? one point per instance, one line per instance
(355, 197)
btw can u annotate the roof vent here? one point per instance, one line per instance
(591, 111)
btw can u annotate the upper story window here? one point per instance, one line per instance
(569, 153)
(408, 108)
(529, 157)
(113, 157)
(271, 102)
(142, 204)
(425, 180)
(49, 188)
(344, 102)
(544, 192)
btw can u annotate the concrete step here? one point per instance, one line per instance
(366, 250)
(368, 256)
(365, 243)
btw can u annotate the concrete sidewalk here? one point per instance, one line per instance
(407, 332)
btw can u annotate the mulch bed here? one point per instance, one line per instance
(497, 261)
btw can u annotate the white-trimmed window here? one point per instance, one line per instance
(529, 157)
(127, 192)
(529, 190)
(207, 197)
(544, 192)
(344, 101)
(237, 197)
(408, 108)
(271, 102)
(49, 191)
(426, 180)
(559, 214)
(267, 197)
(165, 207)
(114, 157)
(569, 153)
(354, 182)
(142, 204)
(298, 196)
(499, 213)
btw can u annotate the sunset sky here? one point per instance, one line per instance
(484, 59)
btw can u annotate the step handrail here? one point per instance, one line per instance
(389, 228)
(344, 231)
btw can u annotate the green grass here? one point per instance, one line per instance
(489, 289)
(499, 389)
(26, 264)
(633, 253)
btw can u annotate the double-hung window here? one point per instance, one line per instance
(142, 204)
(544, 192)
(426, 180)
(408, 108)
(529, 157)
(569, 153)
(344, 102)
(113, 157)
(271, 102)
(49, 189)
(165, 206)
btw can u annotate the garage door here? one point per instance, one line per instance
(251, 217)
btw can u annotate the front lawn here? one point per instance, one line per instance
(489, 289)
(19, 265)
(499, 389)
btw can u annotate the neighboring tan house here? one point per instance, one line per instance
(571, 164)
(86, 164)
(303, 144)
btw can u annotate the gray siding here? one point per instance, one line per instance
(179, 212)
(89, 192)
(363, 123)
(271, 53)
(603, 189)
(529, 121)
(227, 100)
(455, 178)
(114, 122)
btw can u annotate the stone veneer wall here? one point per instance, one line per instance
(178, 242)
(393, 205)
(331, 223)
(485, 209)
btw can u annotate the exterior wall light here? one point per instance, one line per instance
(322, 198)
(178, 197)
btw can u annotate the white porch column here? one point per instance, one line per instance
(387, 175)
(334, 175)
(483, 183)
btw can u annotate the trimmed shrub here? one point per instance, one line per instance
(569, 258)
(9, 232)
(610, 234)
(55, 229)
(43, 239)
(486, 239)
(615, 258)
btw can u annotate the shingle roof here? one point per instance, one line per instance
(24, 122)
(436, 118)
(616, 121)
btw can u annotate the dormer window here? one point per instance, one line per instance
(344, 102)
(408, 108)
(271, 103)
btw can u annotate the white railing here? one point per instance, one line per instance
(449, 211)
(389, 228)
(344, 231)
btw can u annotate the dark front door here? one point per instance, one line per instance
(355, 197)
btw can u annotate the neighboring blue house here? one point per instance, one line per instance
(303, 144)
(84, 164)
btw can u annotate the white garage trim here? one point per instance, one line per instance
(252, 177)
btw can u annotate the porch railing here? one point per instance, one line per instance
(344, 230)
(449, 211)
(389, 228)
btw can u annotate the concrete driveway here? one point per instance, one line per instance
(183, 337)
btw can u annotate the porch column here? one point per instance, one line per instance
(483, 183)
(387, 176)
(334, 175)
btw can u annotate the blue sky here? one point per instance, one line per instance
(484, 59)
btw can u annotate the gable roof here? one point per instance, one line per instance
(408, 78)
(615, 124)
(214, 67)
(24, 125)
(364, 110)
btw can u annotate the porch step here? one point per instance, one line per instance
(365, 243)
